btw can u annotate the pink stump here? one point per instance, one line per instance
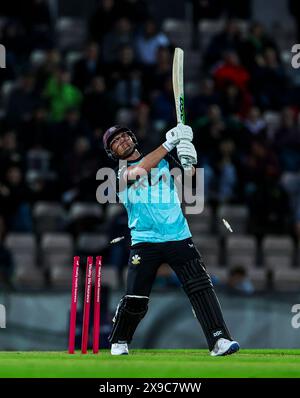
(74, 301)
(87, 305)
(97, 296)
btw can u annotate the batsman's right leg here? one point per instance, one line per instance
(144, 260)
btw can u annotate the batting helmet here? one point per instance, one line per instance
(111, 133)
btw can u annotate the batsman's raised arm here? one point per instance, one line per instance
(120, 143)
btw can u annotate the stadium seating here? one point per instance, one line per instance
(113, 210)
(80, 211)
(48, 217)
(92, 244)
(241, 250)
(201, 223)
(278, 252)
(287, 280)
(258, 278)
(177, 31)
(24, 251)
(56, 250)
(23, 248)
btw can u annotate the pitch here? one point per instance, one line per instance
(151, 363)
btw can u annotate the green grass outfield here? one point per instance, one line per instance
(152, 363)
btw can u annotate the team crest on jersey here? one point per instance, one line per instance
(136, 259)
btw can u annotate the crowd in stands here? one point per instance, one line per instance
(54, 112)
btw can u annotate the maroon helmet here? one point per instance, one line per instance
(111, 133)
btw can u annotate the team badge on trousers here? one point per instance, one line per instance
(136, 259)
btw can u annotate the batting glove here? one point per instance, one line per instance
(175, 135)
(186, 149)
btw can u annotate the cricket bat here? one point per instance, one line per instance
(178, 89)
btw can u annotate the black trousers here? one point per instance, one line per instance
(145, 259)
(186, 261)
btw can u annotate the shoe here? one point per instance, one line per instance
(224, 347)
(119, 349)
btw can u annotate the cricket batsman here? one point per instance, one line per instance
(160, 234)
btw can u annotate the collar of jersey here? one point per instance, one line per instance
(135, 160)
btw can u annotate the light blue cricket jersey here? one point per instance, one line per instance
(153, 206)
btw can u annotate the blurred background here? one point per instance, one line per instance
(75, 68)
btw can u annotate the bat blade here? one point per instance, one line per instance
(178, 84)
(178, 88)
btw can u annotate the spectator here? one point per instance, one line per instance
(209, 131)
(238, 281)
(79, 170)
(22, 101)
(61, 94)
(255, 45)
(221, 176)
(87, 67)
(98, 107)
(48, 68)
(261, 175)
(198, 106)
(149, 42)
(10, 153)
(163, 105)
(16, 42)
(35, 132)
(67, 131)
(36, 19)
(126, 79)
(156, 76)
(225, 179)
(233, 100)
(255, 125)
(269, 82)
(294, 8)
(229, 39)
(14, 199)
(39, 161)
(231, 71)
(260, 162)
(239, 9)
(137, 11)
(291, 184)
(147, 136)
(287, 144)
(121, 35)
(203, 9)
(103, 19)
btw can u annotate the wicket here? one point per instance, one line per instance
(87, 304)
